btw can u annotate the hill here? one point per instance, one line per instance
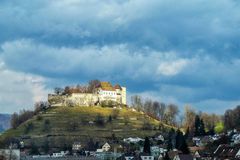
(4, 122)
(63, 125)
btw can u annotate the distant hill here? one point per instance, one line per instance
(68, 124)
(4, 122)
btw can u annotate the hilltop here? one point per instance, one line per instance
(64, 125)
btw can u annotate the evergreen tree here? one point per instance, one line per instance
(202, 128)
(186, 135)
(184, 147)
(110, 118)
(197, 125)
(179, 139)
(34, 149)
(91, 145)
(181, 143)
(170, 139)
(146, 148)
(211, 131)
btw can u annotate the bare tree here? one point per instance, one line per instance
(162, 109)
(156, 108)
(92, 85)
(148, 106)
(40, 106)
(137, 102)
(67, 90)
(14, 120)
(189, 118)
(171, 113)
(58, 90)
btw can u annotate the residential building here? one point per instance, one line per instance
(9, 154)
(106, 147)
(145, 156)
(77, 146)
(226, 151)
(183, 157)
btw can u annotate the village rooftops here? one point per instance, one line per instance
(226, 151)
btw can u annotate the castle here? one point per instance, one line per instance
(104, 93)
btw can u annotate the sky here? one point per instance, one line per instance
(183, 52)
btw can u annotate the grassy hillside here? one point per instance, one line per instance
(80, 124)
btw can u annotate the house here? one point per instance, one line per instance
(133, 140)
(172, 154)
(107, 155)
(238, 154)
(77, 146)
(60, 154)
(13, 153)
(183, 157)
(129, 157)
(202, 141)
(161, 157)
(215, 137)
(197, 141)
(159, 138)
(146, 156)
(105, 148)
(226, 151)
(156, 151)
(199, 153)
(236, 138)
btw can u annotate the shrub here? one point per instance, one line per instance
(28, 127)
(219, 127)
(73, 126)
(109, 118)
(146, 126)
(99, 120)
(115, 113)
(39, 118)
(126, 120)
(84, 121)
(46, 125)
(108, 103)
(34, 149)
(20, 118)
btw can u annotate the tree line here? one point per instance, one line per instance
(24, 115)
(160, 111)
(197, 123)
(232, 118)
(88, 88)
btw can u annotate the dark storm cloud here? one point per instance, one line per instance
(185, 51)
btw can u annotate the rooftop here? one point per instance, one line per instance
(107, 86)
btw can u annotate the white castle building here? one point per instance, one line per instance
(105, 92)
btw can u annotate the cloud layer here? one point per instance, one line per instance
(183, 52)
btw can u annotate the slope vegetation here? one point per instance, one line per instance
(69, 124)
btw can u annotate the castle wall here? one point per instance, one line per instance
(124, 95)
(83, 99)
(89, 99)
